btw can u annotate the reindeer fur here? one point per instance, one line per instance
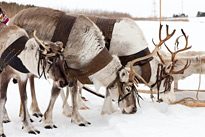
(84, 43)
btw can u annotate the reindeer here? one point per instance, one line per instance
(196, 59)
(127, 48)
(20, 58)
(130, 44)
(86, 57)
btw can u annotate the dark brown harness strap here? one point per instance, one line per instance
(146, 72)
(144, 64)
(9, 56)
(63, 28)
(106, 26)
(125, 59)
(99, 62)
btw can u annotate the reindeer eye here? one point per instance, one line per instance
(128, 89)
(169, 67)
(123, 74)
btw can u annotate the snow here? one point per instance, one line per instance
(151, 120)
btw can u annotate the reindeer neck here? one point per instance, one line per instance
(107, 74)
(153, 65)
(196, 67)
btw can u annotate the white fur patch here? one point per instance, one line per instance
(30, 56)
(127, 38)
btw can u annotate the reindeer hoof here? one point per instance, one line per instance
(48, 127)
(37, 115)
(6, 121)
(32, 132)
(82, 125)
(37, 131)
(3, 135)
(31, 120)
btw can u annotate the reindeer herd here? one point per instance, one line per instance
(71, 49)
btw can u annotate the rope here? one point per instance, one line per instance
(197, 94)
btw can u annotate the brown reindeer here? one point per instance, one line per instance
(87, 58)
(22, 57)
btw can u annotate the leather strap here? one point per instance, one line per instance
(106, 25)
(99, 62)
(146, 72)
(125, 59)
(9, 56)
(63, 28)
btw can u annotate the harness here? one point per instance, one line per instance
(144, 64)
(63, 28)
(162, 75)
(106, 25)
(51, 60)
(9, 56)
(99, 62)
(122, 95)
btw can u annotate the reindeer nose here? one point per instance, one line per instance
(134, 110)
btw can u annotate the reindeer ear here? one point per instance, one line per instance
(124, 75)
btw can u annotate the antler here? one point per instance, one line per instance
(37, 39)
(165, 39)
(174, 55)
(132, 72)
(55, 49)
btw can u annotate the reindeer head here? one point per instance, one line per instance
(126, 88)
(165, 71)
(123, 91)
(52, 62)
(164, 76)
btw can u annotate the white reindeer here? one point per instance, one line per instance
(130, 44)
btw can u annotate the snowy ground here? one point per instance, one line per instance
(151, 119)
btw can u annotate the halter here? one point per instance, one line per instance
(49, 58)
(162, 75)
(120, 84)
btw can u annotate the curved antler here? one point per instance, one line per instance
(37, 39)
(174, 55)
(132, 72)
(164, 40)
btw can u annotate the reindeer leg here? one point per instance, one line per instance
(2, 104)
(67, 109)
(175, 85)
(76, 117)
(81, 105)
(47, 117)
(5, 116)
(4, 80)
(168, 97)
(34, 104)
(27, 126)
(107, 106)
